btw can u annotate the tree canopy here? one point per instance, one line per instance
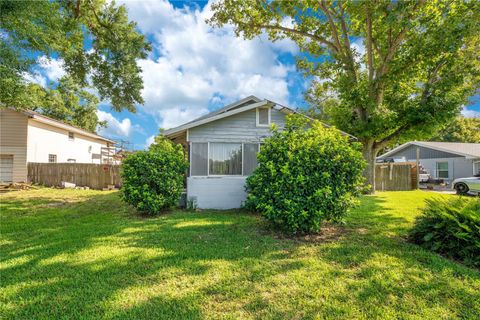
(460, 130)
(382, 70)
(97, 44)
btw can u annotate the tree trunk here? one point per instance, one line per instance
(370, 154)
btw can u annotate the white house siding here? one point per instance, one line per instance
(226, 192)
(13, 142)
(217, 192)
(44, 139)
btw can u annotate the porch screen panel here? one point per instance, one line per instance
(225, 158)
(199, 161)
(250, 151)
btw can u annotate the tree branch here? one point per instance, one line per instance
(333, 27)
(369, 45)
(300, 33)
(386, 140)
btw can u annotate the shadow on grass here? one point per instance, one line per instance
(95, 258)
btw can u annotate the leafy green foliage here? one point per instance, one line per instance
(94, 39)
(153, 180)
(306, 174)
(450, 227)
(162, 143)
(460, 130)
(69, 103)
(383, 71)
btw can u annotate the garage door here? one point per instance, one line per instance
(6, 167)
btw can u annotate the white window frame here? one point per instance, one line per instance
(208, 160)
(73, 136)
(437, 171)
(54, 155)
(258, 118)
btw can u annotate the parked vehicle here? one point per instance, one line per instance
(423, 177)
(466, 185)
(391, 160)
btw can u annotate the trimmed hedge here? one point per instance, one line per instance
(306, 174)
(450, 227)
(153, 180)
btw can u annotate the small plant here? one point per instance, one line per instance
(153, 180)
(306, 174)
(191, 204)
(450, 227)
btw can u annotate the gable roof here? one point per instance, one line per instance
(245, 104)
(59, 124)
(469, 150)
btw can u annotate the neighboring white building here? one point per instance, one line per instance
(31, 137)
(441, 160)
(222, 148)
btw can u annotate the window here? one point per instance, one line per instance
(225, 158)
(199, 161)
(52, 158)
(250, 151)
(71, 136)
(219, 158)
(263, 117)
(71, 160)
(442, 169)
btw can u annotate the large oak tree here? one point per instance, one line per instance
(383, 71)
(97, 43)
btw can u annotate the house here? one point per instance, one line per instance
(31, 137)
(441, 160)
(222, 148)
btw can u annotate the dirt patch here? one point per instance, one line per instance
(328, 233)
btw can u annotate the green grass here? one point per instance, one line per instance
(84, 254)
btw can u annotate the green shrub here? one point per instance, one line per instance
(450, 227)
(153, 180)
(306, 174)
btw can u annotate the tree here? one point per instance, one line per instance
(306, 174)
(390, 70)
(97, 44)
(460, 130)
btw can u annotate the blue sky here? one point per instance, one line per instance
(194, 69)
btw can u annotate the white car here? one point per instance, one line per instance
(466, 185)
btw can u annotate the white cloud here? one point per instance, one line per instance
(115, 128)
(47, 70)
(149, 141)
(470, 113)
(198, 65)
(52, 68)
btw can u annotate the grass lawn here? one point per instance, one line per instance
(84, 254)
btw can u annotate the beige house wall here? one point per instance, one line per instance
(13, 141)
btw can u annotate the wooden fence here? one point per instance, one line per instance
(95, 176)
(395, 176)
